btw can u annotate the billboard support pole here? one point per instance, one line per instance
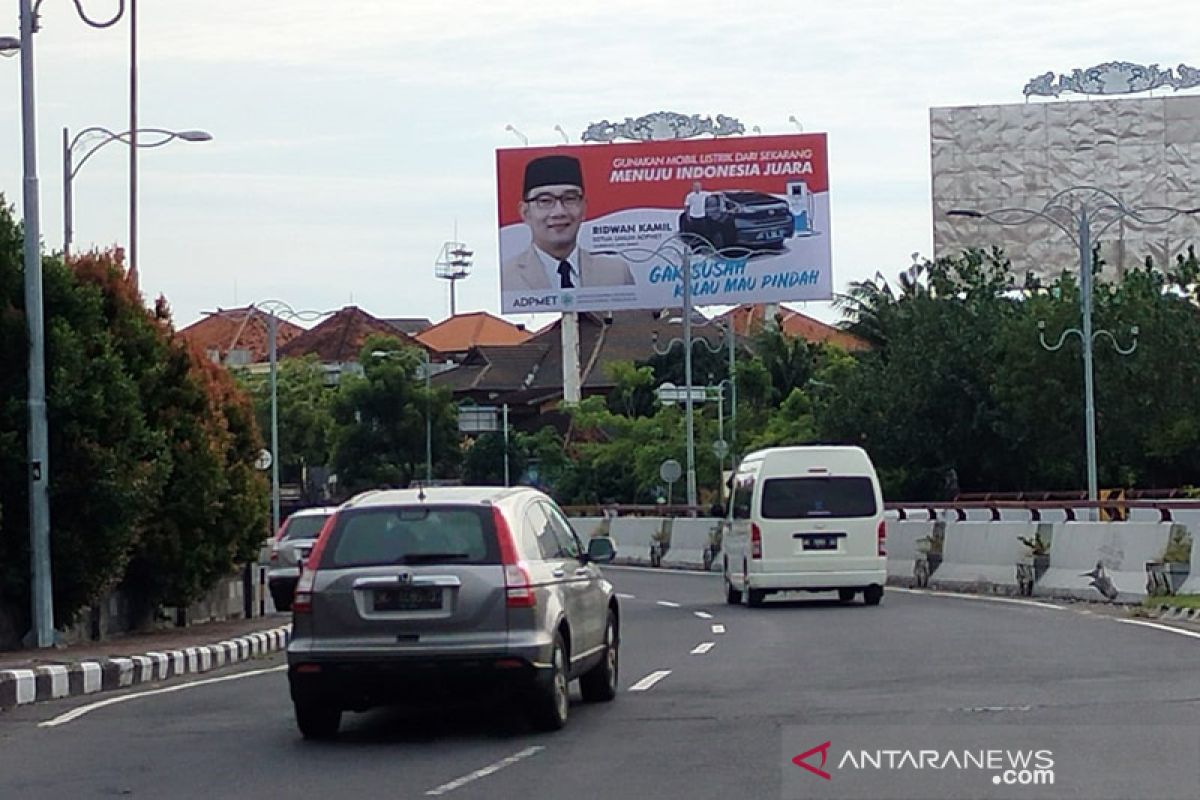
(570, 357)
(687, 374)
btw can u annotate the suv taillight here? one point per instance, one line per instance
(755, 540)
(881, 537)
(518, 584)
(302, 600)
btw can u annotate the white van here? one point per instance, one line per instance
(805, 518)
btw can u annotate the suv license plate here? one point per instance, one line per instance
(412, 598)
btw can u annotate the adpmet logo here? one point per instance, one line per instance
(802, 760)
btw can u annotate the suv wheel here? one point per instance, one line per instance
(551, 695)
(599, 684)
(317, 720)
(873, 594)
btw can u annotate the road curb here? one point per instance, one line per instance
(55, 681)
(1175, 614)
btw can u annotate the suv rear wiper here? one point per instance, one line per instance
(419, 558)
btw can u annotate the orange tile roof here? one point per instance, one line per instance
(464, 331)
(245, 328)
(749, 318)
(340, 337)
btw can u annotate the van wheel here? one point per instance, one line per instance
(873, 594)
(551, 697)
(732, 596)
(599, 684)
(755, 597)
(317, 720)
(846, 595)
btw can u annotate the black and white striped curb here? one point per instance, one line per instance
(1170, 613)
(50, 682)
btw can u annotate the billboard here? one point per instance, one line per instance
(598, 227)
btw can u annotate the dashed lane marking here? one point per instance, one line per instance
(458, 783)
(718, 628)
(626, 596)
(701, 649)
(702, 614)
(668, 604)
(647, 682)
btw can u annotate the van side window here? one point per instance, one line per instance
(743, 494)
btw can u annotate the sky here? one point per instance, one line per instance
(352, 140)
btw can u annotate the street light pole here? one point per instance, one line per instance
(1084, 206)
(133, 146)
(42, 633)
(70, 168)
(687, 375)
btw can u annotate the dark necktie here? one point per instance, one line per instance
(564, 275)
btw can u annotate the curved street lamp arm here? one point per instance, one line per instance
(282, 310)
(123, 137)
(97, 23)
(1113, 340)
(1011, 217)
(1061, 339)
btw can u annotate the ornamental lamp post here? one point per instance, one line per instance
(1084, 214)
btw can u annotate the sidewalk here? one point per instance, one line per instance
(28, 676)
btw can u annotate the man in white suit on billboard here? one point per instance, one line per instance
(553, 206)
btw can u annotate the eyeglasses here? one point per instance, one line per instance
(545, 201)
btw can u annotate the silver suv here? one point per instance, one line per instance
(434, 593)
(291, 546)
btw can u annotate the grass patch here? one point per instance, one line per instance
(1174, 600)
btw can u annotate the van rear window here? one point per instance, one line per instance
(828, 496)
(412, 535)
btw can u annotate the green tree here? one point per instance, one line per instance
(379, 419)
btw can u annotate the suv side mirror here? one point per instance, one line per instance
(601, 550)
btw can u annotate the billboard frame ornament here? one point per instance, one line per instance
(662, 126)
(1114, 77)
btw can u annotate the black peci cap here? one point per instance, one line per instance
(552, 170)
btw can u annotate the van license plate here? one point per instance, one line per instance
(412, 598)
(820, 542)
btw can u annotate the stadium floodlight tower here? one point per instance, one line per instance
(453, 265)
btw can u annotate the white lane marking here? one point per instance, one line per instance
(648, 681)
(1160, 627)
(718, 629)
(458, 783)
(984, 598)
(702, 614)
(626, 596)
(661, 571)
(75, 714)
(668, 604)
(701, 649)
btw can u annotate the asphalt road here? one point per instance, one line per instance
(739, 693)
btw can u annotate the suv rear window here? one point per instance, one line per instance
(799, 498)
(306, 527)
(412, 535)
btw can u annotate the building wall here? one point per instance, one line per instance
(1145, 151)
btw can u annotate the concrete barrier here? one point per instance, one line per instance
(982, 556)
(633, 536)
(1115, 553)
(902, 536)
(689, 539)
